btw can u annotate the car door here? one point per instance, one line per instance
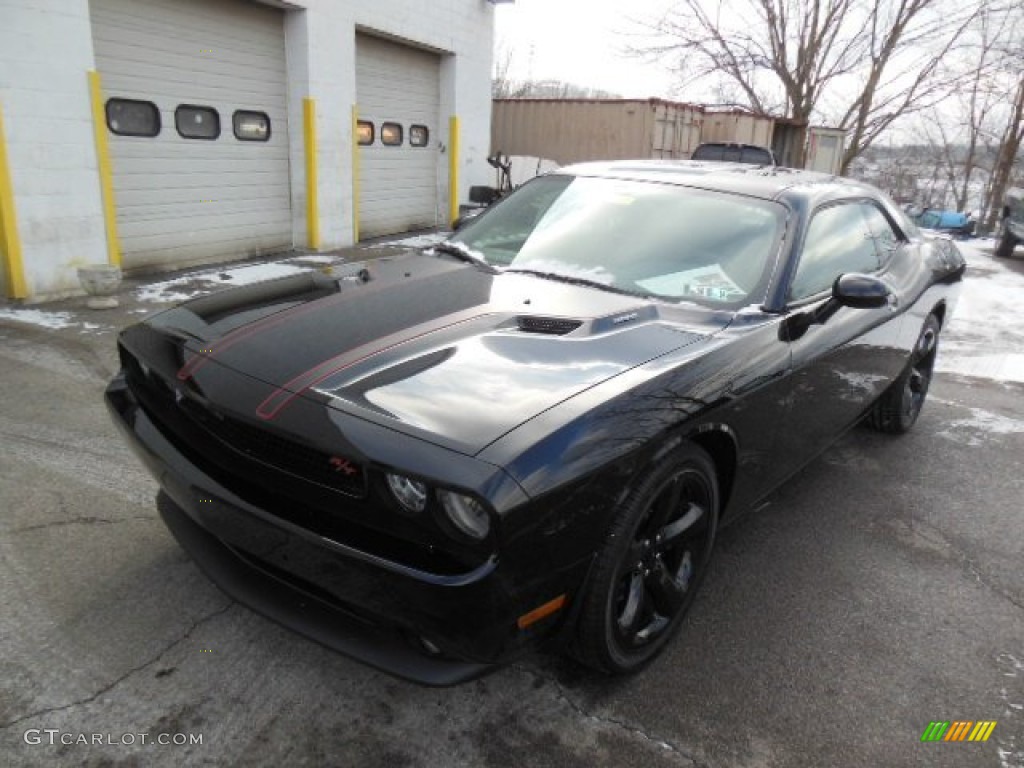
(842, 364)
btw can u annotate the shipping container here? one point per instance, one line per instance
(578, 130)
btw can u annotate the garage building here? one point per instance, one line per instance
(160, 134)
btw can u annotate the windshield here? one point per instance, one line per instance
(646, 238)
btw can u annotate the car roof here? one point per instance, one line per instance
(790, 185)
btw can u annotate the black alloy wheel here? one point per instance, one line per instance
(646, 577)
(898, 409)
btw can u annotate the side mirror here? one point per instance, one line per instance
(860, 291)
(482, 195)
(850, 290)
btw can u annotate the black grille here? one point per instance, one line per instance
(337, 472)
(553, 326)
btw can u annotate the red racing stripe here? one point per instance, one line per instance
(198, 360)
(284, 394)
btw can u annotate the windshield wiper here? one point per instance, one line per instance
(573, 280)
(463, 252)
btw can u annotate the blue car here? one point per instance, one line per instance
(957, 224)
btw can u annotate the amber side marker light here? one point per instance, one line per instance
(540, 612)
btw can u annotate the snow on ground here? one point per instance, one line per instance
(419, 241)
(971, 430)
(52, 320)
(167, 291)
(985, 336)
(255, 273)
(197, 283)
(313, 258)
(193, 284)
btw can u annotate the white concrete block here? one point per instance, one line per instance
(45, 53)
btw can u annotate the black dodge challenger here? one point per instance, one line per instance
(533, 430)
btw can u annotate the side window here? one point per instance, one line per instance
(419, 136)
(250, 125)
(364, 133)
(708, 152)
(195, 122)
(391, 134)
(886, 239)
(756, 155)
(837, 241)
(132, 117)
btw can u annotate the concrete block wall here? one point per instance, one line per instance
(45, 53)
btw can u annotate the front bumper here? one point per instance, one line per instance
(315, 618)
(358, 603)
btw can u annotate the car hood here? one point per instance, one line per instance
(426, 345)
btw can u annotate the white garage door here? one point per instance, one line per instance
(398, 92)
(189, 193)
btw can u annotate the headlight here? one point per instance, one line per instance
(411, 494)
(466, 513)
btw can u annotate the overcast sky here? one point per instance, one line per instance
(582, 42)
(579, 41)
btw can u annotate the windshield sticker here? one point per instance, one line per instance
(707, 282)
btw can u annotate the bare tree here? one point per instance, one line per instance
(983, 95)
(965, 132)
(946, 154)
(873, 61)
(504, 86)
(501, 84)
(1007, 154)
(1009, 149)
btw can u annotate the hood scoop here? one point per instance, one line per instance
(549, 326)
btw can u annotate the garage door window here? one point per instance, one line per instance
(365, 130)
(419, 135)
(130, 117)
(391, 134)
(250, 126)
(195, 122)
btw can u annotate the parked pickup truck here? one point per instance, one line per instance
(733, 153)
(1011, 227)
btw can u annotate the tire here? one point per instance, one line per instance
(1007, 242)
(898, 409)
(654, 558)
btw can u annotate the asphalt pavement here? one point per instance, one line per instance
(878, 591)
